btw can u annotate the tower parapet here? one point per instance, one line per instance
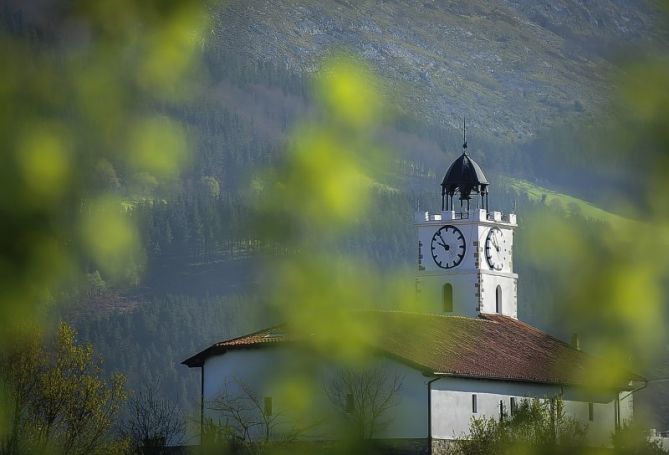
(476, 214)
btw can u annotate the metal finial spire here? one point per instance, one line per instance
(464, 135)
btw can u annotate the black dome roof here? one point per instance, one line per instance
(465, 176)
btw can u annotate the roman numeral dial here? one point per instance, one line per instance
(448, 247)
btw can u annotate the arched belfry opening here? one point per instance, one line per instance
(465, 178)
(498, 299)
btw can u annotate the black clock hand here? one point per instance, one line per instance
(496, 242)
(443, 242)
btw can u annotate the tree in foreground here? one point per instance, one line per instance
(633, 439)
(246, 422)
(153, 423)
(58, 400)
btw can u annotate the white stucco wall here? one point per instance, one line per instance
(626, 406)
(410, 420)
(452, 402)
(262, 368)
(259, 369)
(451, 397)
(452, 406)
(508, 285)
(429, 289)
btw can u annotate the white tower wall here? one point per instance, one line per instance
(474, 282)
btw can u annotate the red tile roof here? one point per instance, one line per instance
(255, 339)
(489, 347)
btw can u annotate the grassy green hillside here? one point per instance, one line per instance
(565, 202)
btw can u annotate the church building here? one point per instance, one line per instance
(472, 356)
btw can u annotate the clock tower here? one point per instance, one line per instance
(465, 254)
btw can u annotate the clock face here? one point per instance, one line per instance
(448, 247)
(496, 249)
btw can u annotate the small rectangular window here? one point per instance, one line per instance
(448, 298)
(474, 404)
(591, 411)
(268, 406)
(349, 403)
(513, 405)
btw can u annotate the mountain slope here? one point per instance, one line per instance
(511, 66)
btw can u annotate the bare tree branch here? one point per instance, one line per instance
(372, 393)
(153, 422)
(243, 419)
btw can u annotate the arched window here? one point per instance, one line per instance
(498, 299)
(448, 298)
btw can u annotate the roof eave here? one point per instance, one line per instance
(621, 387)
(197, 360)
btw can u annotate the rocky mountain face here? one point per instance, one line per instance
(511, 66)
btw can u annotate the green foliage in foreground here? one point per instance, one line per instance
(535, 426)
(57, 399)
(631, 439)
(542, 427)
